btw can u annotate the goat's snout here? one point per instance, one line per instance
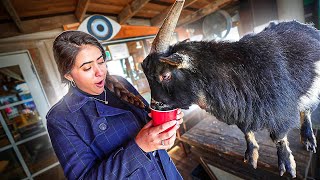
(160, 105)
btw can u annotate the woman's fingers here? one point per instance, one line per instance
(170, 133)
(167, 138)
(168, 143)
(164, 126)
(172, 140)
(152, 138)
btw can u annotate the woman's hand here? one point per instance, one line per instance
(153, 138)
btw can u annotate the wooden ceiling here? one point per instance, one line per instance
(28, 16)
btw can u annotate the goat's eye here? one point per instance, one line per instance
(165, 76)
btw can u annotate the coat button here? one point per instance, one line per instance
(102, 126)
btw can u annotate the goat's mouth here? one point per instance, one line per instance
(160, 106)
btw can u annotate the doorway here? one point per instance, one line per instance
(25, 147)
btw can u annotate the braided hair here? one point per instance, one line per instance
(119, 90)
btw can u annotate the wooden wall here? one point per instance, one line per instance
(254, 13)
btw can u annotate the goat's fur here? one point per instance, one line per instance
(262, 81)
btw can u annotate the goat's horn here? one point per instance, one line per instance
(162, 40)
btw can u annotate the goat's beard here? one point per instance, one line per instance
(160, 106)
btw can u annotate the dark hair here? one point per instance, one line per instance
(67, 45)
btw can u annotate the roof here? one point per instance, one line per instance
(22, 17)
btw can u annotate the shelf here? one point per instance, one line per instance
(24, 93)
(15, 103)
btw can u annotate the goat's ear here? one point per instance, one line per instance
(173, 59)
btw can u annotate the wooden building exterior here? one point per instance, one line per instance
(27, 31)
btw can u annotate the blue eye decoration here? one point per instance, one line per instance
(100, 27)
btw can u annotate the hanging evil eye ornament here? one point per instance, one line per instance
(100, 27)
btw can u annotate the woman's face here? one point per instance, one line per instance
(89, 71)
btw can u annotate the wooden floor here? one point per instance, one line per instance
(184, 164)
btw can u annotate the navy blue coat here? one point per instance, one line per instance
(96, 141)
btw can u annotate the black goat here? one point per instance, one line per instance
(266, 80)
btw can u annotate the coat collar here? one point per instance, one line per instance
(75, 100)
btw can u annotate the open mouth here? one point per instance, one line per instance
(100, 84)
(160, 106)
(165, 107)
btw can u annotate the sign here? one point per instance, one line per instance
(119, 51)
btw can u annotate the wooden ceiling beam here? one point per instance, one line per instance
(13, 14)
(157, 20)
(130, 10)
(210, 8)
(82, 9)
(129, 31)
(37, 25)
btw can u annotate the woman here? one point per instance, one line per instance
(100, 129)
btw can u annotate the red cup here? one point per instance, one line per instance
(160, 117)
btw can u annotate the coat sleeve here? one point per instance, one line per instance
(79, 161)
